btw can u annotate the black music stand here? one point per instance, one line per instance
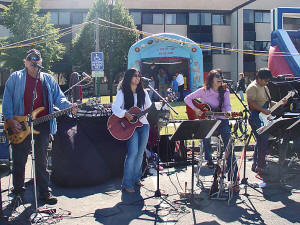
(195, 129)
(282, 128)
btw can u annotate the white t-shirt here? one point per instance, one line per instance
(180, 79)
(118, 105)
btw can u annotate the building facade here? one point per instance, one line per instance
(237, 24)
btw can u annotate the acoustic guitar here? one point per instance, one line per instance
(17, 138)
(207, 112)
(122, 129)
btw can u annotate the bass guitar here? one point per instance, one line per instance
(17, 138)
(207, 112)
(122, 129)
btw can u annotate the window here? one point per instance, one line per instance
(158, 19)
(64, 18)
(205, 19)
(218, 19)
(206, 50)
(262, 17)
(262, 45)
(181, 18)
(137, 17)
(170, 18)
(194, 19)
(147, 18)
(53, 18)
(221, 51)
(77, 18)
(248, 45)
(248, 16)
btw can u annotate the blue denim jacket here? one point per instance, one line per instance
(13, 97)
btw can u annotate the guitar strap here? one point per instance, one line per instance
(44, 88)
(268, 96)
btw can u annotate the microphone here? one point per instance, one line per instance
(86, 75)
(145, 79)
(227, 81)
(37, 65)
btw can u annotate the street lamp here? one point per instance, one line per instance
(111, 5)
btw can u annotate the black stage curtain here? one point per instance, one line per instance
(84, 152)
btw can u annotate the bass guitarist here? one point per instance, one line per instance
(131, 93)
(218, 97)
(258, 98)
(17, 101)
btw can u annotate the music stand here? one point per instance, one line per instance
(282, 128)
(195, 129)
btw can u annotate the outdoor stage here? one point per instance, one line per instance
(106, 204)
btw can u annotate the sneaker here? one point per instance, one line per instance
(48, 199)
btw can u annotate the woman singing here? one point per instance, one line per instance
(131, 94)
(218, 97)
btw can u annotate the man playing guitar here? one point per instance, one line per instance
(215, 94)
(258, 97)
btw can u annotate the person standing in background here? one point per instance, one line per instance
(241, 86)
(180, 81)
(163, 82)
(175, 86)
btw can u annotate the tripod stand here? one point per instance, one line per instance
(157, 193)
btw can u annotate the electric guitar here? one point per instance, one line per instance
(266, 119)
(17, 138)
(206, 109)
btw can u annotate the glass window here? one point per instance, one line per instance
(218, 19)
(194, 18)
(258, 17)
(77, 18)
(226, 45)
(248, 16)
(181, 18)
(248, 45)
(170, 18)
(205, 19)
(262, 45)
(147, 18)
(53, 18)
(137, 17)
(206, 50)
(216, 51)
(84, 16)
(266, 17)
(158, 19)
(64, 18)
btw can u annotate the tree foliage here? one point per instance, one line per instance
(122, 39)
(24, 22)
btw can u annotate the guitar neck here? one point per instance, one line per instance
(55, 115)
(142, 113)
(274, 107)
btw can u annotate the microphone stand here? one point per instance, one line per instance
(74, 85)
(158, 192)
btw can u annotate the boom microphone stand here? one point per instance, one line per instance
(247, 139)
(158, 192)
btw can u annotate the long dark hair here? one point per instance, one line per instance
(128, 94)
(221, 89)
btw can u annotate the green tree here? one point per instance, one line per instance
(84, 42)
(24, 23)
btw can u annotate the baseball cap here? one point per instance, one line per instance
(33, 51)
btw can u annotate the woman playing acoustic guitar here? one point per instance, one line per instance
(217, 96)
(131, 94)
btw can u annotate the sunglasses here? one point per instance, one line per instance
(219, 76)
(33, 58)
(137, 75)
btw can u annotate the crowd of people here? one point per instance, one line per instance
(165, 83)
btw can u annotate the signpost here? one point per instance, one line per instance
(97, 65)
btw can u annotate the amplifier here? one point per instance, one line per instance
(4, 145)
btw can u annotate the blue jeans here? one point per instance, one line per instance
(135, 150)
(242, 95)
(224, 130)
(261, 146)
